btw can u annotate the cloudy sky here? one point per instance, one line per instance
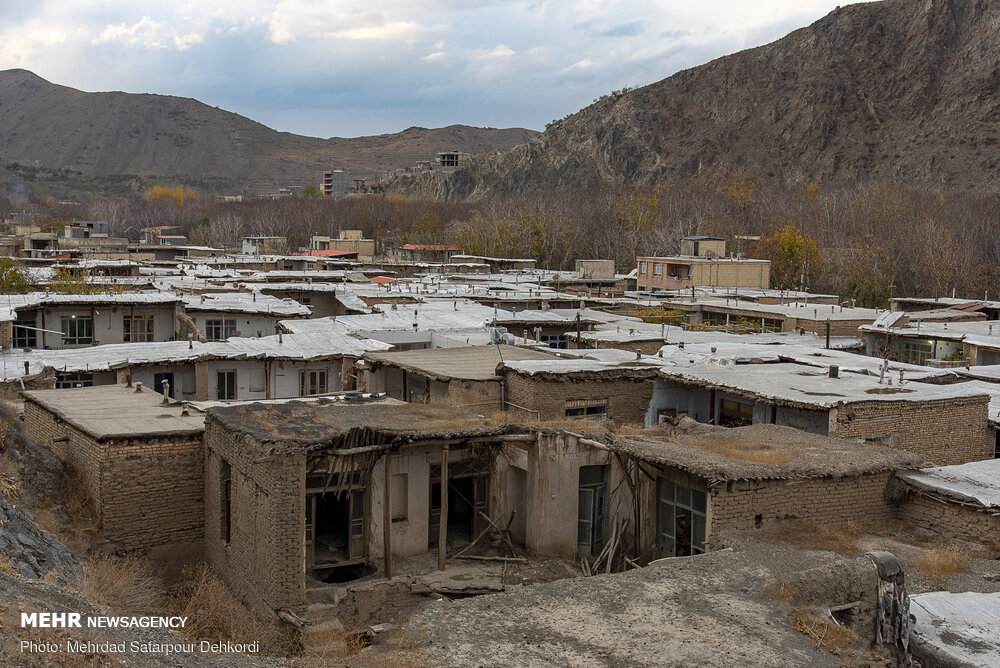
(338, 68)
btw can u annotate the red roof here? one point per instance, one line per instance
(433, 247)
(328, 253)
(383, 279)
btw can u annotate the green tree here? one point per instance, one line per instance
(309, 192)
(794, 257)
(14, 280)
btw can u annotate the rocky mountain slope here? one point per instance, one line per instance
(900, 90)
(99, 134)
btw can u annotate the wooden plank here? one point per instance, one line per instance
(387, 518)
(443, 526)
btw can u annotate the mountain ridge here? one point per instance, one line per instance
(107, 133)
(899, 90)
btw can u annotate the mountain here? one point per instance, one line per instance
(102, 134)
(901, 90)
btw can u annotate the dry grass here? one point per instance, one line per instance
(123, 584)
(826, 635)
(780, 592)
(7, 565)
(841, 538)
(214, 613)
(757, 453)
(10, 486)
(941, 563)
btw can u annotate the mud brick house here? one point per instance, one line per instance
(607, 388)
(745, 315)
(297, 492)
(324, 299)
(694, 481)
(934, 343)
(141, 461)
(464, 376)
(958, 502)
(944, 424)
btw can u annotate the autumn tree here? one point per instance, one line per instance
(14, 280)
(794, 257)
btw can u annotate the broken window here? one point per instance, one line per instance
(77, 330)
(591, 512)
(734, 413)
(593, 409)
(681, 519)
(226, 487)
(219, 329)
(137, 329)
(68, 380)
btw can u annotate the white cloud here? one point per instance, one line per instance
(383, 65)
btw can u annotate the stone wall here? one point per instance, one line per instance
(627, 399)
(264, 560)
(943, 431)
(148, 492)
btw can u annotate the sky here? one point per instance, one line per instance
(335, 68)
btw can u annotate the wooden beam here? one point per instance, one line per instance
(387, 517)
(443, 525)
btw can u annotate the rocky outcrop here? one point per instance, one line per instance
(901, 90)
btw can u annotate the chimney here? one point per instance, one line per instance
(834, 371)
(138, 387)
(166, 391)
(184, 409)
(638, 354)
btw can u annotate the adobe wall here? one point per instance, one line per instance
(756, 504)
(946, 518)
(943, 431)
(148, 492)
(628, 399)
(265, 559)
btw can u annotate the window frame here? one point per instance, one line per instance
(130, 334)
(685, 499)
(306, 375)
(76, 322)
(219, 329)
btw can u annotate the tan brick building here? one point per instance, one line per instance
(141, 461)
(944, 424)
(659, 274)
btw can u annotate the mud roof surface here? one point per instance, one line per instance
(759, 452)
(707, 610)
(114, 411)
(465, 363)
(339, 423)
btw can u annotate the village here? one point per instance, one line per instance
(503, 463)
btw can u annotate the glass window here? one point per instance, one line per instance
(735, 413)
(77, 330)
(24, 335)
(137, 329)
(68, 380)
(313, 382)
(226, 385)
(681, 516)
(593, 409)
(657, 269)
(642, 267)
(219, 329)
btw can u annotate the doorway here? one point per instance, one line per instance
(592, 516)
(334, 528)
(467, 501)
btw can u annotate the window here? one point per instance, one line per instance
(914, 351)
(593, 409)
(398, 501)
(77, 330)
(67, 380)
(642, 267)
(219, 329)
(312, 382)
(225, 385)
(681, 519)
(735, 413)
(25, 336)
(555, 340)
(226, 487)
(137, 329)
(657, 269)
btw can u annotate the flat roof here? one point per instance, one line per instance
(759, 452)
(465, 363)
(114, 411)
(795, 384)
(976, 481)
(244, 302)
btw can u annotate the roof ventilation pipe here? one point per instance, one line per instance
(138, 387)
(166, 391)
(834, 371)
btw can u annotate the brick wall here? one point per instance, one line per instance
(264, 562)
(820, 500)
(148, 492)
(628, 400)
(949, 519)
(943, 432)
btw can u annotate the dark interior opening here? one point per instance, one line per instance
(332, 524)
(461, 513)
(347, 573)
